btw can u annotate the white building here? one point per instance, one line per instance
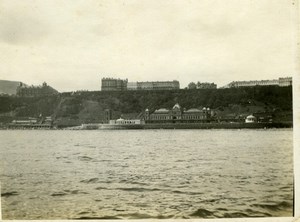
(250, 119)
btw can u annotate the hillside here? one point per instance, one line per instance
(8, 87)
(87, 107)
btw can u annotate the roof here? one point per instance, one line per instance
(193, 110)
(176, 106)
(161, 110)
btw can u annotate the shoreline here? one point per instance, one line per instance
(146, 126)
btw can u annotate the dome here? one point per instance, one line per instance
(120, 120)
(176, 106)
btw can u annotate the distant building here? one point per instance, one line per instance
(132, 86)
(110, 84)
(236, 84)
(158, 85)
(177, 115)
(145, 86)
(287, 81)
(35, 91)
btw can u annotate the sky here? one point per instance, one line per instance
(73, 44)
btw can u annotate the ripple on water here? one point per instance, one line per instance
(143, 216)
(101, 188)
(97, 218)
(133, 182)
(67, 192)
(76, 192)
(203, 213)
(92, 180)
(255, 213)
(275, 206)
(138, 189)
(85, 158)
(58, 194)
(236, 215)
(8, 194)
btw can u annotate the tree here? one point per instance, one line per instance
(192, 85)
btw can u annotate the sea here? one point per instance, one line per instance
(142, 174)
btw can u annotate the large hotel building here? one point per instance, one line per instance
(110, 84)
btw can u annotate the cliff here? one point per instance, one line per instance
(69, 109)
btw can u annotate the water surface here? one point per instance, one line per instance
(146, 174)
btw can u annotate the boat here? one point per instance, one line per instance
(114, 124)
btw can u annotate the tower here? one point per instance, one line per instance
(107, 115)
(147, 114)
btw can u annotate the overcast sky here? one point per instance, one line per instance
(73, 44)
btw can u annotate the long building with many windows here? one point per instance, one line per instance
(158, 85)
(286, 81)
(111, 84)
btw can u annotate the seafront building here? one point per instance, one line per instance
(35, 91)
(178, 115)
(285, 81)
